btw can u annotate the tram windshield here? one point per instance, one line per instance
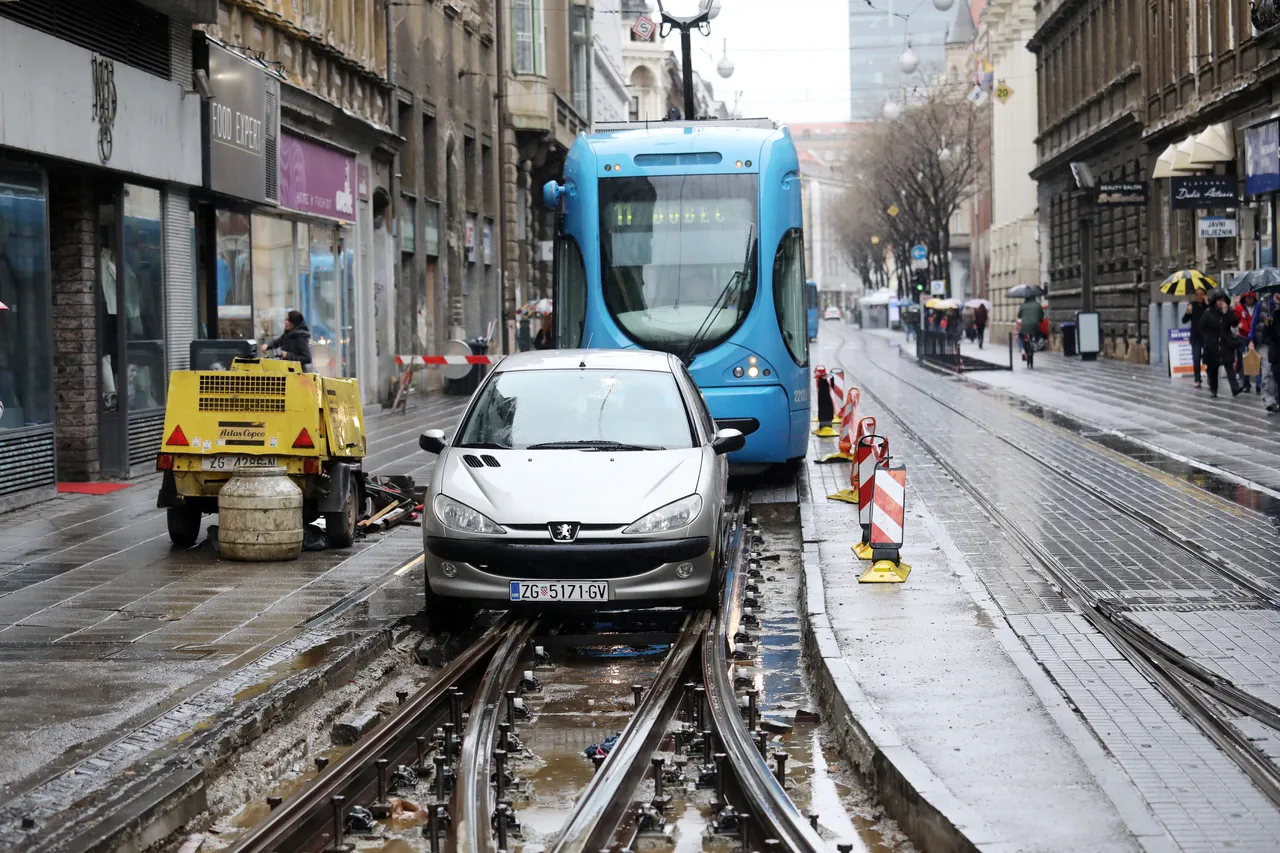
(678, 257)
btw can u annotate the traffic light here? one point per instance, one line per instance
(920, 278)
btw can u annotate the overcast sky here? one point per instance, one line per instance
(790, 58)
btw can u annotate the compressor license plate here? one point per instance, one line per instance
(229, 462)
(559, 591)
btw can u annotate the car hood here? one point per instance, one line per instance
(591, 487)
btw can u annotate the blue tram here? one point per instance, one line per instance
(687, 238)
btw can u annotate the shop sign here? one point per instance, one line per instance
(431, 228)
(1180, 361)
(104, 103)
(1194, 192)
(316, 179)
(1217, 227)
(1262, 159)
(471, 239)
(235, 123)
(1122, 194)
(362, 182)
(486, 241)
(937, 287)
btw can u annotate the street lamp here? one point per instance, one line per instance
(892, 110)
(943, 5)
(909, 61)
(707, 9)
(725, 67)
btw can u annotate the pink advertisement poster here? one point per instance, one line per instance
(317, 180)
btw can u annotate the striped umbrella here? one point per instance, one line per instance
(1186, 282)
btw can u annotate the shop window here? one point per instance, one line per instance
(275, 282)
(26, 370)
(143, 298)
(323, 308)
(235, 276)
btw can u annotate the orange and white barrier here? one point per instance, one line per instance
(848, 415)
(866, 428)
(836, 384)
(872, 453)
(826, 411)
(438, 360)
(887, 515)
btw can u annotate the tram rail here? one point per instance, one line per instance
(1200, 695)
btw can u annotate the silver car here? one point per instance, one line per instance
(595, 478)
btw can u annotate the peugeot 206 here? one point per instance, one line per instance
(589, 478)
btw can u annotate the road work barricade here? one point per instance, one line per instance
(872, 453)
(848, 416)
(835, 382)
(858, 470)
(825, 408)
(887, 514)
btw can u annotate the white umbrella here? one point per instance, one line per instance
(974, 303)
(543, 308)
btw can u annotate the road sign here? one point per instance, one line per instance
(919, 252)
(643, 29)
(1003, 93)
(875, 240)
(937, 287)
(977, 96)
(893, 210)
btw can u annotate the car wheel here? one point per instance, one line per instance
(341, 525)
(184, 525)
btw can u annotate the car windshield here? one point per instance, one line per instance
(579, 409)
(670, 248)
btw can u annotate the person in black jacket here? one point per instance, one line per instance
(1218, 338)
(1192, 315)
(295, 343)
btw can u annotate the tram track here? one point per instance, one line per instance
(463, 759)
(1199, 694)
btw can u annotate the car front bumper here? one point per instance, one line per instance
(636, 571)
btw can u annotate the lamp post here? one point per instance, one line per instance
(707, 9)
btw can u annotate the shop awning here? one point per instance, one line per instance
(1165, 164)
(1214, 144)
(1182, 156)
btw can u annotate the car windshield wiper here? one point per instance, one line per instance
(592, 444)
(485, 445)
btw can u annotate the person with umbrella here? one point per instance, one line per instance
(546, 337)
(980, 317)
(1244, 311)
(1217, 337)
(1264, 337)
(1199, 304)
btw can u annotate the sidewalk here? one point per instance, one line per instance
(103, 625)
(967, 677)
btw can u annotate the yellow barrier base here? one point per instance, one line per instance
(885, 571)
(863, 551)
(849, 496)
(835, 457)
(825, 431)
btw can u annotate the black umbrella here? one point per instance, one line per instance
(1026, 291)
(1256, 281)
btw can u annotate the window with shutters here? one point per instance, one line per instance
(527, 30)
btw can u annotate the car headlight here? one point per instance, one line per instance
(673, 516)
(459, 516)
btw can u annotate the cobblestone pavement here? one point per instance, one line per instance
(103, 624)
(1143, 403)
(1081, 510)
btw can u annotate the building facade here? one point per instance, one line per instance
(95, 252)
(610, 97)
(1092, 112)
(824, 149)
(877, 36)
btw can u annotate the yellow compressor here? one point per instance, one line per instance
(262, 413)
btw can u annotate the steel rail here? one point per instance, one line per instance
(771, 809)
(305, 822)
(609, 798)
(1175, 682)
(472, 791)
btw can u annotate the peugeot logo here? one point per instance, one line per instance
(563, 531)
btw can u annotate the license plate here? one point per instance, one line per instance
(559, 591)
(229, 462)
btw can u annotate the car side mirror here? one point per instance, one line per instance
(728, 441)
(432, 440)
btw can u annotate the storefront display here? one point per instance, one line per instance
(26, 305)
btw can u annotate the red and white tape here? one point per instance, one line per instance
(888, 508)
(435, 360)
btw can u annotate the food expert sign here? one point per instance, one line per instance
(235, 127)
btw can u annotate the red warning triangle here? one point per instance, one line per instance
(177, 437)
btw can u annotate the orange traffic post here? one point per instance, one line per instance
(888, 518)
(848, 415)
(836, 382)
(825, 409)
(873, 454)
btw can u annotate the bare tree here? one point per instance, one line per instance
(922, 167)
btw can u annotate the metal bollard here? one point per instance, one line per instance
(708, 745)
(511, 707)
(743, 820)
(781, 772)
(848, 848)
(504, 736)
(274, 802)
(501, 820)
(455, 707)
(657, 776)
(432, 829)
(762, 741)
(638, 692)
(700, 698)
(421, 767)
(500, 765)
(688, 703)
(381, 808)
(722, 770)
(336, 802)
(439, 760)
(772, 844)
(321, 762)
(402, 696)
(753, 709)
(813, 820)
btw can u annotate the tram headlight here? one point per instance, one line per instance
(753, 371)
(738, 371)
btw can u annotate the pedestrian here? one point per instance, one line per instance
(1192, 315)
(1218, 340)
(1264, 333)
(546, 338)
(980, 322)
(1244, 313)
(1030, 316)
(295, 343)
